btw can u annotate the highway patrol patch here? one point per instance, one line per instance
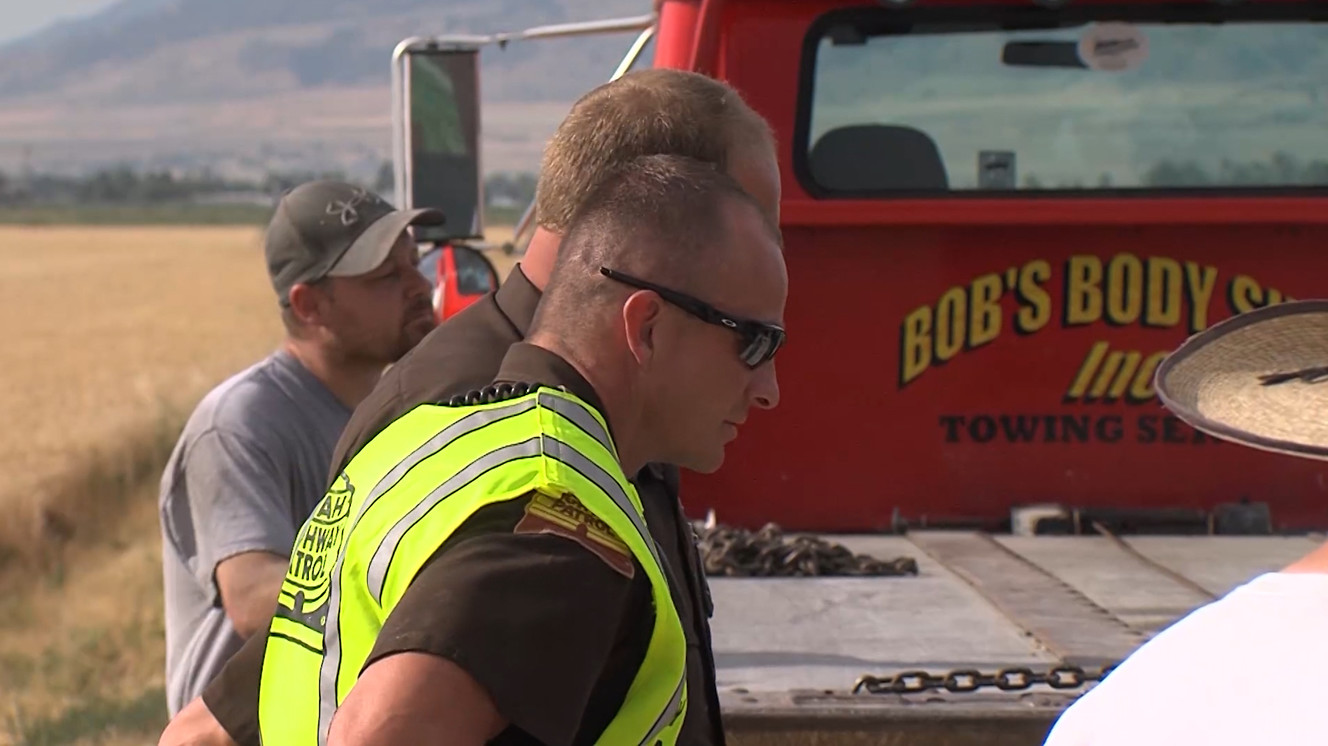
(566, 516)
(308, 582)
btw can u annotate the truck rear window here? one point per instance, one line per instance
(1085, 99)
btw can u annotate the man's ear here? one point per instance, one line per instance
(641, 315)
(306, 303)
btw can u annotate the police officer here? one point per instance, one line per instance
(690, 115)
(481, 572)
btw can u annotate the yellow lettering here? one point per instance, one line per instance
(1091, 364)
(1164, 292)
(1036, 301)
(1125, 289)
(951, 318)
(1113, 374)
(915, 345)
(1244, 294)
(1142, 388)
(1083, 291)
(984, 315)
(1199, 285)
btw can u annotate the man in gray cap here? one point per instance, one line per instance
(1247, 668)
(252, 461)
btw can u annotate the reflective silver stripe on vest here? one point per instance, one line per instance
(568, 455)
(560, 451)
(581, 416)
(331, 663)
(387, 548)
(464, 426)
(382, 559)
(669, 713)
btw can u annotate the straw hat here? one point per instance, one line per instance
(1259, 378)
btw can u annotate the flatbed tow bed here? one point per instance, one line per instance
(789, 651)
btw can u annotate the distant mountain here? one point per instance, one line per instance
(182, 80)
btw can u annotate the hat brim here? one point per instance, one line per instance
(1213, 382)
(373, 246)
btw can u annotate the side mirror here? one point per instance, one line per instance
(460, 276)
(436, 135)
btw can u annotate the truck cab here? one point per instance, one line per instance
(999, 217)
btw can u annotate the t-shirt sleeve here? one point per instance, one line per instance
(1070, 728)
(531, 611)
(232, 696)
(238, 501)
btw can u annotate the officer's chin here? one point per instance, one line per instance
(707, 464)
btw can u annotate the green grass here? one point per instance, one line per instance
(159, 214)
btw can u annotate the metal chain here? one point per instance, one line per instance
(969, 680)
(737, 552)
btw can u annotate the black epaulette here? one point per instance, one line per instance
(492, 393)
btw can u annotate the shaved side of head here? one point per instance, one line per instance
(663, 218)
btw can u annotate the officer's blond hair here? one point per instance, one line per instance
(650, 112)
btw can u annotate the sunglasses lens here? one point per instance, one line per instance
(762, 346)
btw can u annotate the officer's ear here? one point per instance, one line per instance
(642, 313)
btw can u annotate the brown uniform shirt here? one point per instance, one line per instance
(464, 354)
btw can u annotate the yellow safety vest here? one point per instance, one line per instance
(399, 499)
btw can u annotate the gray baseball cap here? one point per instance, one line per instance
(333, 229)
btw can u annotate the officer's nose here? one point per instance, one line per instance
(765, 387)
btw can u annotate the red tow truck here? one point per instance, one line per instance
(1000, 216)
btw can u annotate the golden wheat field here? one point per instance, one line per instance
(111, 336)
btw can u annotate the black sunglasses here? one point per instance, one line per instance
(760, 341)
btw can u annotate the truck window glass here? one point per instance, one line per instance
(957, 103)
(444, 140)
(473, 276)
(428, 265)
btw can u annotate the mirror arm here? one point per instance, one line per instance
(401, 143)
(628, 62)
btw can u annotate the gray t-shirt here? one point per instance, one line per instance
(248, 469)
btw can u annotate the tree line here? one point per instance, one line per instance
(129, 186)
(1281, 169)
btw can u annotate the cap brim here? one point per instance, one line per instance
(373, 246)
(1214, 382)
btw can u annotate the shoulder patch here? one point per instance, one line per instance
(566, 516)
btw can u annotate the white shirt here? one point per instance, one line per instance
(1250, 668)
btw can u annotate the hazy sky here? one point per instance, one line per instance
(22, 17)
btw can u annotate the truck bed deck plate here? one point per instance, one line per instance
(789, 649)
